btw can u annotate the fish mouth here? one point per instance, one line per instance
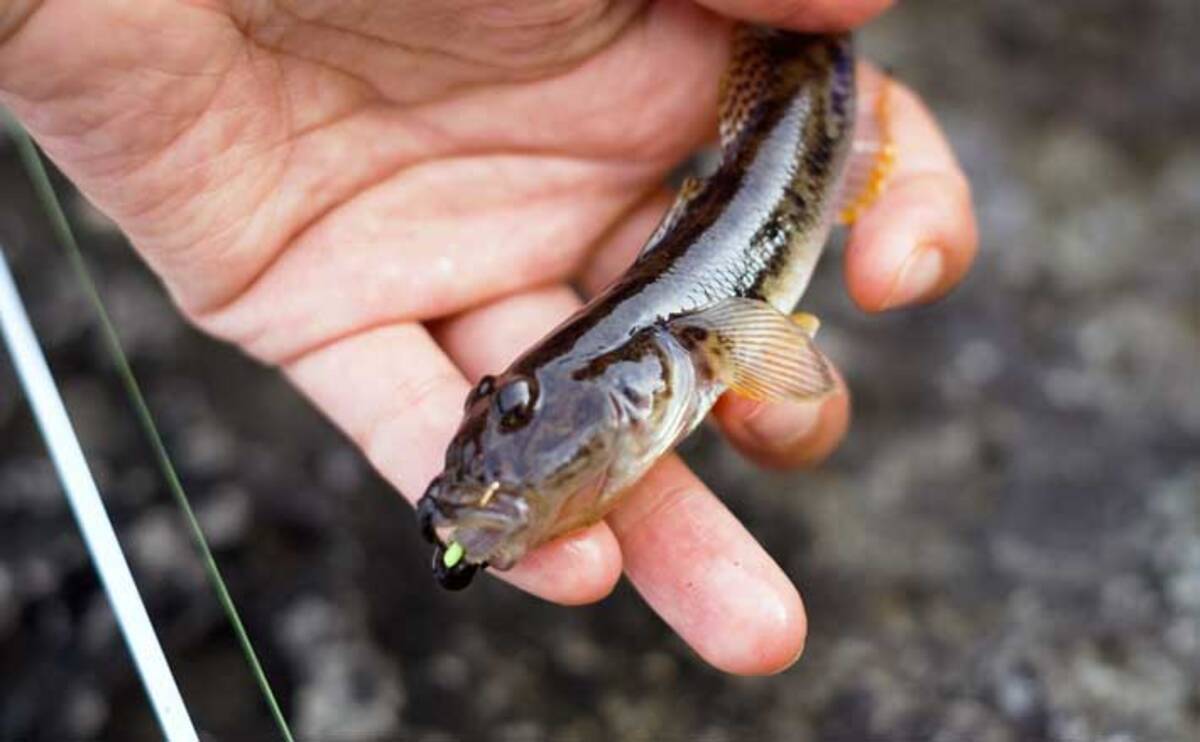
(489, 506)
(477, 523)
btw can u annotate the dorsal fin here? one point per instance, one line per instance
(688, 189)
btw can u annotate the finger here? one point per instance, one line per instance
(398, 396)
(699, 568)
(575, 569)
(394, 392)
(919, 238)
(804, 15)
(682, 549)
(785, 435)
(485, 340)
(471, 229)
(618, 249)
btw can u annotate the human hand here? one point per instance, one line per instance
(387, 200)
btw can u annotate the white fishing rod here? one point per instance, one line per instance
(42, 186)
(90, 514)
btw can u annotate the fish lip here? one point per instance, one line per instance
(491, 534)
(503, 517)
(446, 499)
(503, 505)
(458, 505)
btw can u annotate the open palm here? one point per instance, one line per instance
(387, 200)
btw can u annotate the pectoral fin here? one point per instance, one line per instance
(756, 350)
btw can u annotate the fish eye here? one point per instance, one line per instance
(515, 401)
(486, 386)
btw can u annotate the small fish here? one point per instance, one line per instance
(551, 444)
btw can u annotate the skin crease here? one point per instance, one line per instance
(387, 200)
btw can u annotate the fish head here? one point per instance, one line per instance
(532, 448)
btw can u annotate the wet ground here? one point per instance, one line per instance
(1006, 548)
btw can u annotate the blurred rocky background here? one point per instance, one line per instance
(1006, 548)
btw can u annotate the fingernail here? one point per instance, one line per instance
(918, 276)
(779, 427)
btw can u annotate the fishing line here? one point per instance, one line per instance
(36, 170)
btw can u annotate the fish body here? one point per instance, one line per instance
(552, 443)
